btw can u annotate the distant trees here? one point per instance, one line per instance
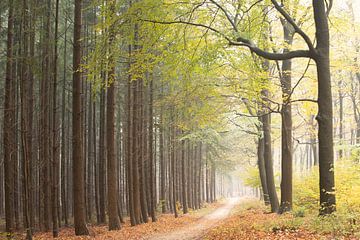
(318, 53)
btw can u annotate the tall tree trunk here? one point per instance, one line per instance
(102, 155)
(9, 125)
(183, 177)
(78, 158)
(162, 163)
(341, 119)
(26, 95)
(64, 126)
(129, 150)
(266, 121)
(325, 114)
(173, 165)
(286, 124)
(55, 140)
(262, 170)
(151, 153)
(114, 221)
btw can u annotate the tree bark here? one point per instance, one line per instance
(9, 125)
(286, 125)
(325, 114)
(55, 140)
(262, 170)
(266, 121)
(114, 221)
(78, 158)
(183, 177)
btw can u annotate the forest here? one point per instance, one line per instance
(179, 119)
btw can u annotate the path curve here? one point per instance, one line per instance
(198, 228)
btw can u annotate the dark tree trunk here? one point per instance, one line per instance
(55, 137)
(26, 95)
(78, 158)
(114, 221)
(266, 121)
(183, 177)
(262, 170)
(162, 164)
(151, 153)
(173, 166)
(64, 126)
(102, 156)
(9, 125)
(325, 114)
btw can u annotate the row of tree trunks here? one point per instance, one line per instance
(61, 158)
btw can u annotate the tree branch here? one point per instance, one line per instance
(296, 27)
(271, 55)
(243, 42)
(226, 14)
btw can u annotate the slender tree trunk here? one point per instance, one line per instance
(64, 178)
(26, 95)
(162, 164)
(183, 177)
(129, 150)
(151, 153)
(142, 158)
(341, 119)
(102, 156)
(262, 170)
(78, 158)
(266, 121)
(286, 125)
(55, 140)
(114, 221)
(9, 125)
(173, 166)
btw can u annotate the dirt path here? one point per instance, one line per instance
(196, 231)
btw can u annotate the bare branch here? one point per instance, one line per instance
(304, 100)
(226, 14)
(298, 82)
(271, 55)
(296, 27)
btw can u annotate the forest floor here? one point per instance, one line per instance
(198, 228)
(165, 224)
(250, 220)
(231, 219)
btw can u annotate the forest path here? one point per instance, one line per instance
(197, 230)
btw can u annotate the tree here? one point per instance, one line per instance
(55, 137)
(320, 54)
(114, 221)
(78, 157)
(286, 123)
(9, 125)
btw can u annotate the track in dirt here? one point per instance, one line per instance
(197, 230)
